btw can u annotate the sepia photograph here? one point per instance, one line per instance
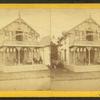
(49, 49)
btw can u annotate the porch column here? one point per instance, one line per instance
(32, 55)
(1, 55)
(95, 55)
(74, 56)
(85, 56)
(18, 48)
(89, 60)
(71, 50)
(14, 51)
(81, 56)
(4, 55)
(43, 56)
(65, 55)
(78, 55)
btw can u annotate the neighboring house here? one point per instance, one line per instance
(79, 48)
(19, 45)
(54, 54)
(45, 50)
(50, 48)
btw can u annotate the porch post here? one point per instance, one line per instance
(89, 60)
(81, 56)
(78, 55)
(32, 55)
(85, 56)
(4, 55)
(74, 55)
(14, 51)
(71, 55)
(43, 56)
(18, 48)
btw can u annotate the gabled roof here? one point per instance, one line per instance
(90, 19)
(20, 20)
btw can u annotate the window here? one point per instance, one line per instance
(89, 38)
(89, 35)
(19, 35)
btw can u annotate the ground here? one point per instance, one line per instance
(52, 79)
(64, 79)
(25, 80)
(65, 74)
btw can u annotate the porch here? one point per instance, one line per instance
(84, 58)
(84, 55)
(12, 55)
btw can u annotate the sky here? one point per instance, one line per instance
(49, 21)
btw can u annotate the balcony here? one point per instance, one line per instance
(84, 43)
(21, 43)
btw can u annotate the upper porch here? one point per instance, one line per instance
(85, 43)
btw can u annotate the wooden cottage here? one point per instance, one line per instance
(19, 45)
(79, 47)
